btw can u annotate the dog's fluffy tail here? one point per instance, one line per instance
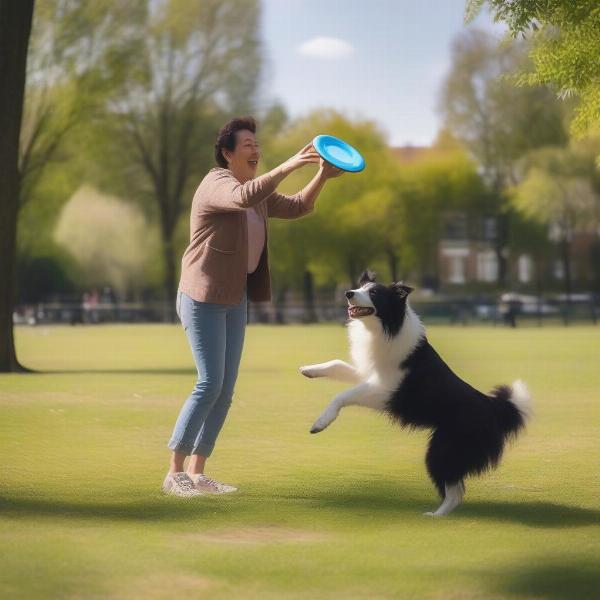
(512, 406)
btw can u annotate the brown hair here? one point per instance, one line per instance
(226, 136)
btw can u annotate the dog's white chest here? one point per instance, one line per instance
(378, 358)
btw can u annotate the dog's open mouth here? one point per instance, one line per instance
(356, 312)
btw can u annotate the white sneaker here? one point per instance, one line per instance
(206, 485)
(180, 484)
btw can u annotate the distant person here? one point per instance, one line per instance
(225, 263)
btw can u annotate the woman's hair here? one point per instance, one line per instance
(226, 136)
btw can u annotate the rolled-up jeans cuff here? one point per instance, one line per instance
(203, 450)
(180, 447)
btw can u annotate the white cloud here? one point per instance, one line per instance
(326, 48)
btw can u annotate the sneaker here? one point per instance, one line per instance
(179, 484)
(206, 485)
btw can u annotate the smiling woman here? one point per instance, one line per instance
(225, 264)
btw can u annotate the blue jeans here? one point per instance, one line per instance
(216, 336)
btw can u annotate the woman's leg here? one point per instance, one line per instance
(205, 442)
(205, 327)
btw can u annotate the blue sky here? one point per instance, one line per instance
(380, 59)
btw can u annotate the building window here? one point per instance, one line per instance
(489, 229)
(455, 227)
(487, 266)
(525, 268)
(457, 270)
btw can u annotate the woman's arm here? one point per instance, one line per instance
(302, 203)
(221, 191)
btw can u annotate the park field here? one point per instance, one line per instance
(336, 515)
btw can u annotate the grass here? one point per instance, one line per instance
(337, 515)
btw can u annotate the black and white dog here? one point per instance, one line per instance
(396, 371)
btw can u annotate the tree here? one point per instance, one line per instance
(195, 63)
(558, 192)
(15, 29)
(109, 239)
(446, 181)
(497, 121)
(71, 43)
(339, 239)
(565, 49)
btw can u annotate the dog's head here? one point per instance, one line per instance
(374, 300)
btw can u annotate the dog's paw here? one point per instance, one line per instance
(309, 371)
(323, 421)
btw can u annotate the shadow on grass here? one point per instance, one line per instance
(555, 579)
(376, 497)
(157, 508)
(533, 514)
(362, 497)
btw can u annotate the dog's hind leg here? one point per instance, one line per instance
(446, 471)
(453, 497)
(334, 369)
(364, 394)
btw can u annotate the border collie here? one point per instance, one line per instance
(397, 372)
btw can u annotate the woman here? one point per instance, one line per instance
(225, 263)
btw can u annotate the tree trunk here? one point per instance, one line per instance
(169, 283)
(503, 226)
(15, 28)
(280, 304)
(392, 263)
(310, 315)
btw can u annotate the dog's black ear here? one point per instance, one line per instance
(366, 277)
(402, 290)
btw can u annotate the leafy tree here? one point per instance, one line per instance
(497, 121)
(68, 42)
(559, 192)
(565, 49)
(443, 182)
(195, 63)
(339, 239)
(109, 239)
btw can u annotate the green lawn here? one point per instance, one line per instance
(337, 515)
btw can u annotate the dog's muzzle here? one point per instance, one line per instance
(356, 312)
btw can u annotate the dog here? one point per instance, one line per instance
(397, 372)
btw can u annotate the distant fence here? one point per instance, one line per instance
(519, 309)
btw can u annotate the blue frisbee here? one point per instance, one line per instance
(339, 153)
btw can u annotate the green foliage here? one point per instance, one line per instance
(194, 64)
(341, 237)
(497, 121)
(388, 217)
(565, 50)
(65, 77)
(442, 183)
(110, 240)
(559, 188)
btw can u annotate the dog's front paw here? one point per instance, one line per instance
(309, 371)
(323, 421)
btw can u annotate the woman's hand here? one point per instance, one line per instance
(328, 171)
(308, 155)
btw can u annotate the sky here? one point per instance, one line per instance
(383, 60)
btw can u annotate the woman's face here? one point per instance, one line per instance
(243, 161)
